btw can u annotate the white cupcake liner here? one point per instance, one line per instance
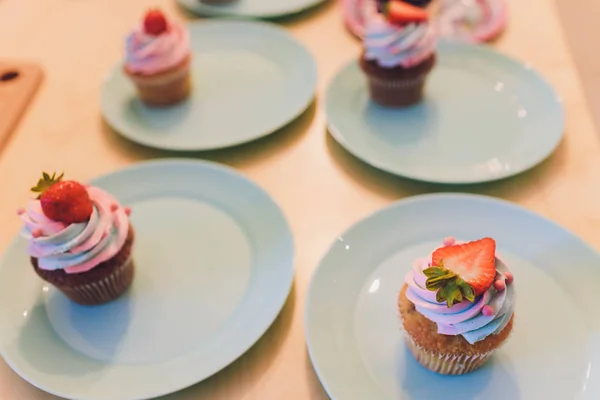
(446, 364)
(104, 290)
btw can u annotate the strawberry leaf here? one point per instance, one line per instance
(449, 287)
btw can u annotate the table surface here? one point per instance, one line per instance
(314, 181)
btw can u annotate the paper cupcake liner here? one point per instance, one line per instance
(104, 290)
(446, 364)
(398, 92)
(165, 88)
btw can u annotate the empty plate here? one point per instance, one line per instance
(214, 265)
(354, 330)
(484, 117)
(249, 8)
(249, 79)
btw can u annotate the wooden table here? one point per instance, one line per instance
(321, 189)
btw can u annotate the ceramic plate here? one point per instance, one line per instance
(249, 8)
(484, 117)
(353, 328)
(453, 18)
(214, 265)
(249, 79)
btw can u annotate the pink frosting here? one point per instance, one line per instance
(79, 247)
(148, 54)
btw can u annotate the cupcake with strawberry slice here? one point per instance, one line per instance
(381, 4)
(399, 53)
(457, 306)
(80, 240)
(158, 58)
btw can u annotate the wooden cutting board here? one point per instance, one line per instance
(18, 83)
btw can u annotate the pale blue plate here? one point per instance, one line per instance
(353, 327)
(214, 265)
(249, 79)
(484, 117)
(249, 8)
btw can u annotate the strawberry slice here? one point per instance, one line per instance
(401, 13)
(155, 22)
(473, 262)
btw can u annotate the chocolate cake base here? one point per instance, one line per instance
(398, 86)
(102, 284)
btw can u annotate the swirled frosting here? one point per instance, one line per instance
(464, 318)
(78, 247)
(148, 54)
(392, 45)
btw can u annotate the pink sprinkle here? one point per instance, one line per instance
(113, 207)
(36, 233)
(449, 241)
(509, 277)
(488, 311)
(20, 211)
(500, 285)
(128, 211)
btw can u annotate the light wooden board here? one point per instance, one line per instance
(18, 83)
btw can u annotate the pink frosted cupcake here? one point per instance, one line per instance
(399, 53)
(157, 59)
(457, 306)
(80, 240)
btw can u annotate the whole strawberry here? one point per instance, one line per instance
(63, 201)
(155, 22)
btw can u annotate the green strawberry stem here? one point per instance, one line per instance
(45, 182)
(450, 287)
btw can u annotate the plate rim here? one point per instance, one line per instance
(281, 298)
(406, 201)
(446, 45)
(118, 127)
(212, 11)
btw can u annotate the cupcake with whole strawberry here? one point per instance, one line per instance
(457, 306)
(399, 53)
(158, 59)
(80, 240)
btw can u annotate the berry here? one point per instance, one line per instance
(63, 201)
(155, 22)
(462, 271)
(401, 13)
(500, 285)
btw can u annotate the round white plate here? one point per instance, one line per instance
(249, 79)
(214, 265)
(249, 8)
(484, 117)
(353, 327)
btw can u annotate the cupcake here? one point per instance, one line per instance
(80, 240)
(157, 59)
(419, 3)
(399, 53)
(457, 306)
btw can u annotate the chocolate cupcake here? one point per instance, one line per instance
(80, 240)
(399, 53)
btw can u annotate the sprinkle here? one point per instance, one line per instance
(36, 233)
(500, 285)
(128, 211)
(509, 277)
(449, 241)
(20, 211)
(488, 311)
(113, 207)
